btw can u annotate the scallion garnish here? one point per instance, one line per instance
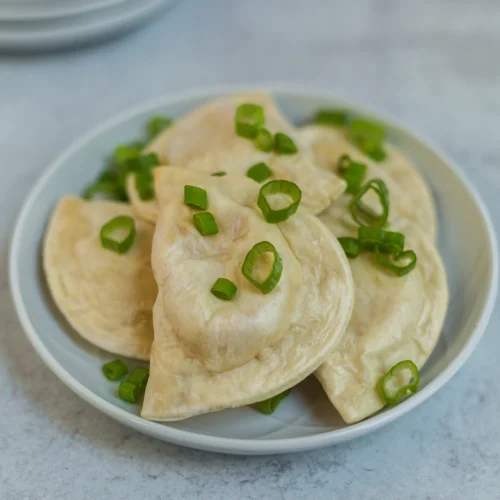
(331, 117)
(115, 370)
(249, 119)
(407, 255)
(224, 289)
(205, 223)
(140, 162)
(368, 137)
(195, 197)
(129, 392)
(364, 215)
(396, 396)
(126, 152)
(107, 190)
(264, 140)
(353, 173)
(118, 234)
(284, 144)
(350, 246)
(269, 405)
(139, 377)
(282, 188)
(144, 184)
(157, 124)
(250, 264)
(259, 172)
(219, 174)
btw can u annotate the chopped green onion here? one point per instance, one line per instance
(393, 242)
(122, 223)
(386, 241)
(394, 397)
(363, 214)
(350, 246)
(219, 174)
(373, 150)
(144, 184)
(158, 124)
(109, 175)
(115, 370)
(353, 173)
(269, 405)
(369, 138)
(126, 152)
(250, 263)
(331, 117)
(343, 162)
(103, 190)
(259, 172)
(224, 289)
(249, 119)
(129, 392)
(139, 377)
(397, 270)
(264, 140)
(141, 162)
(205, 223)
(284, 144)
(195, 197)
(283, 188)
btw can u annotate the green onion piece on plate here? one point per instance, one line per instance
(331, 117)
(353, 172)
(157, 125)
(139, 162)
(224, 289)
(343, 162)
(249, 119)
(268, 406)
(393, 242)
(139, 377)
(350, 246)
(205, 223)
(386, 241)
(280, 187)
(144, 184)
(264, 140)
(363, 214)
(108, 175)
(195, 197)
(259, 172)
(252, 263)
(372, 149)
(368, 137)
(115, 370)
(407, 255)
(118, 234)
(394, 396)
(219, 174)
(106, 190)
(284, 144)
(129, 392)
(126, 152)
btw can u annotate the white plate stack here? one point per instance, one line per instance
(27, 25)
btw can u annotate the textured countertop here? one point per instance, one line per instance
(433, 64)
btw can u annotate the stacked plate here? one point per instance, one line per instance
(52, 24)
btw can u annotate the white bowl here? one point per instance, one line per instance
(305, 420)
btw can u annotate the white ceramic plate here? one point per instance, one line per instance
(305, 419)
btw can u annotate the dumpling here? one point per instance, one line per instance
(393, 319)
(209, 354)
(107, 297)
(205, 139)
(416, 200)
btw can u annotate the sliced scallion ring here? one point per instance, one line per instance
(364, 215)
(268, 406)
(195, 197)
(103, 190)
(139, 377)
(353, 173)
(157, 125)
(331, 117)
(385, 241)
(396, 396)
(407, 255)
(350, 246)
(122, 242)
(249, 119)
(144, 184)
(264, 140)
(224, 289)
(250, 264)
(279, 187)
(284, 144)
(129, 392)
(205, 223)
(368, 137)
(259, 172)
(115, 370)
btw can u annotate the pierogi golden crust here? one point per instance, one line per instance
(209, 354)
(106, 297)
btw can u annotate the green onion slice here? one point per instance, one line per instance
(372, 149)
(284, 144)
(103, 190)
(386, 241)
(195, 197)
(142, 162)
(353, 173)
(264, 140)
(331, 117)
(396, 396)
(219, 174)
(251, 263)
(407, 255)
(144, 184)
(268, 406)
(343, 162)
(224, 289)
(126, 152)
(118, 234)
(249, 119)
(283, 188)
(363, 214)
(115, 370)
(157, 124)
(139, 377)
(350, 246)
(368, 137)
(259, 172)
(205, 223)
(129, 392)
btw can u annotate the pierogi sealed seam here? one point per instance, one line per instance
(210, 354)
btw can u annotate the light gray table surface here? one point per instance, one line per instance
(433, 64)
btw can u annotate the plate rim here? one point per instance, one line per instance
(238, 445)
